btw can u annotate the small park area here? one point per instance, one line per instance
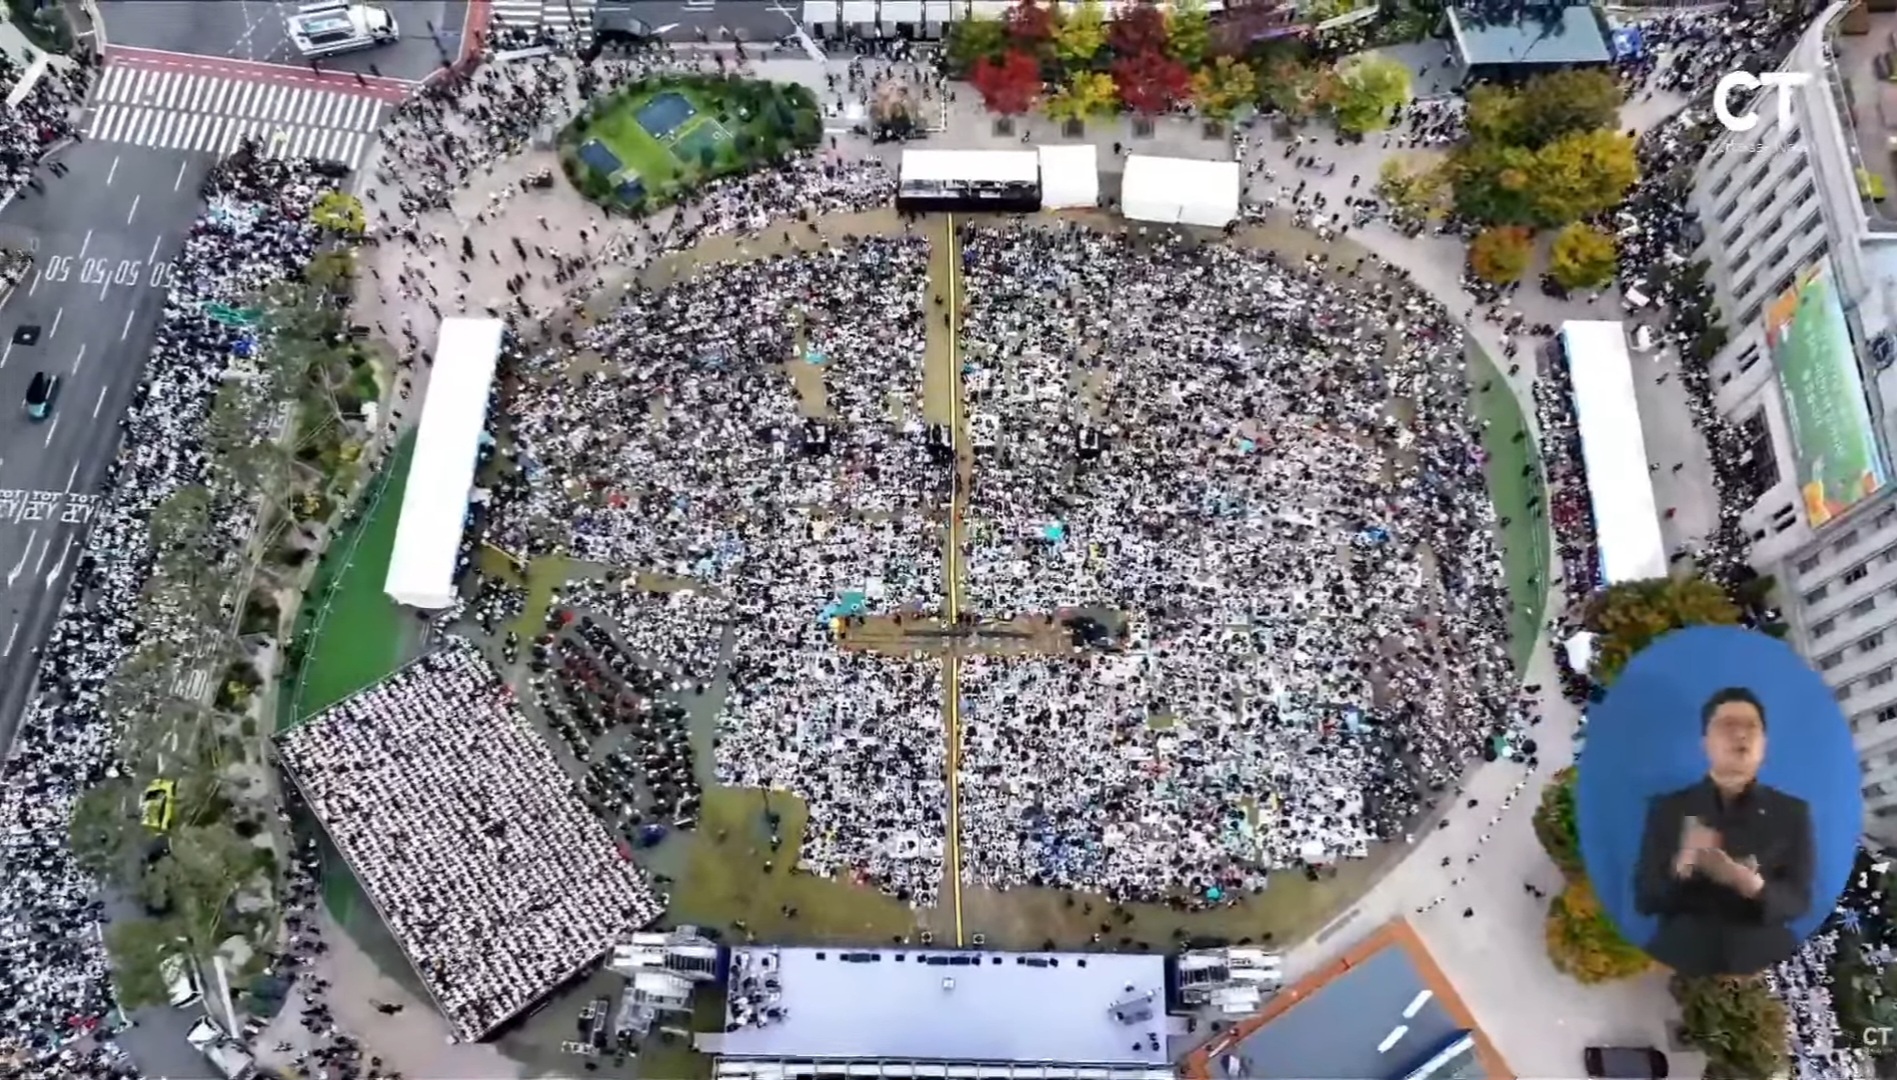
(648, 143)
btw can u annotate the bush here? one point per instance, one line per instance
(1557, 824)
(1582, 941)
(261, 614)
(1735, 1022)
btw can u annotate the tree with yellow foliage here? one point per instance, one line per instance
(1086, 95)
(1582, 174)
(1080, 33)
(1582, 941)
(1189, 32)
(1414, 192)
(1557, 824)
(1500, 255)
(1583, 257)
(339, 213)
(1368, 87)
(1627, 617)
(1222, 87)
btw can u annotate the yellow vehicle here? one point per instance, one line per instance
(159, 804)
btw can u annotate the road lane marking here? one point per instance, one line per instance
(1395, 1036)
(114, 171)
(100, 404)
(12, 636)
(13, 575)
(57, 315)
(80, 359)
(179, 182)
(134, 210)
(51, 430)
(86, 244)
(35, 287)
(128, 325)
(71, 476)
(45, 549)
(4, 353)
(60, 566)
(1416, 1004)
(152, 259)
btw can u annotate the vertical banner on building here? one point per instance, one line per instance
(1831, 434)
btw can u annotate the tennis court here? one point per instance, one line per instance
(707, 135)
(665, 114)
(599, 158)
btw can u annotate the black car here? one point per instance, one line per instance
(616, 27)
(40, 394)
(1624, 1063)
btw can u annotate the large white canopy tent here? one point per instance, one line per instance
(1614, 451)
(441, 471)
(1070, 176)
(1180, 191)
(965, 166)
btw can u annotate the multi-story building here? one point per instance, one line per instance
(1804, 267)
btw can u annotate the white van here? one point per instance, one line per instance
(232, 1060)
(181, 980)
(329, 27)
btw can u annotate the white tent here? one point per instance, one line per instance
(1070, 176)
(1613, 451)
(441, 472)
(1180, 191)
(966, 166)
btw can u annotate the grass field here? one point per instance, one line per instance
(619, 129)
(1525, 544)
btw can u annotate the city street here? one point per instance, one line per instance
(103, 237)
(254, 30)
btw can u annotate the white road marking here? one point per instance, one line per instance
(1395, 1036)
(45, 549)
(51, 430)
(1416, 1003)
(71, 476)
(128, 325)
(57, 315)
(85, 244)
(80, 359)
(35, 287)
(114, 171)
(100, 404)
(179, 182)
(152, 259)
(12, 636)
(13, 575)
(8, 351)
(134, 210)
(60, 566)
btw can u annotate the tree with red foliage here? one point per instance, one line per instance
(1138, 30)
(1030, 24)
(1151, 82)
(1008, 86)
(1244, 23)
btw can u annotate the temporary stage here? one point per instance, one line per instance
(969, 180)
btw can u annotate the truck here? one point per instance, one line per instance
(233, 1062)
(329, 27)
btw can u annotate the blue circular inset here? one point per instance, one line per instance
(1644, 779)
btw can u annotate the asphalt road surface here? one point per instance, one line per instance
(254, 30)
(752, 20)
(103, 237)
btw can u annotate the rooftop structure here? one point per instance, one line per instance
(949, 1007)
(1529, 40)
(1381, 1012)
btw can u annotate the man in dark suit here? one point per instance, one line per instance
(1727, 863)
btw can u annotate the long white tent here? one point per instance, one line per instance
(965, 166)
(1180, 191)
(441, 472)
(1614, 451)
(1070, 176)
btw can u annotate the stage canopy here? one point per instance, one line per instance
(1180, 191)
(441, 471)
(1614, 451)
(970, 166)
(1070, 176)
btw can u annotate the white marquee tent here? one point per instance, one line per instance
(1180, 191)
(441, 472)
(1614, 451)
(965, 166)
(1070, 176)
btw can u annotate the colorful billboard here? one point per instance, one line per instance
(1838, 460)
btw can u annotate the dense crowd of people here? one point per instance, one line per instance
(55, 988)
(498, 883)
(41, 119)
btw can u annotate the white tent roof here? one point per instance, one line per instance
(1180, 191)
(441, 473)
(1070, 176)
(1614, 451)
(820, 11)
(995, 166)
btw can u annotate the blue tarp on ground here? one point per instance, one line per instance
(850, 603)
(1054, 533)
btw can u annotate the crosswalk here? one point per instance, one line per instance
(569, 14)
(177, 110)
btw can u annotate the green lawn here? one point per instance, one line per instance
(620, 130)
(1525, 555)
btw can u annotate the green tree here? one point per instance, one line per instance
(1088, 94)
(1582, 174)
(1189, 32)
(340, 213)
(1222, 87)
(104, 830)
(1582, 941)
(1493, 183)
(1368, 87)
(1081, 33)
(1583, 257)
(197, 879)
(333, 270)
(1501, 254)
(1292, 87)
(1494, 115)
(1564, 103)
(137, 948)
(1735, 1022)
(972, 40)
(1628, 617)
(1557, 824)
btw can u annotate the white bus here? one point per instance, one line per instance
(329, 27)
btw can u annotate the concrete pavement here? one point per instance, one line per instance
(103, 236)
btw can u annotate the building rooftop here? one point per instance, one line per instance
(1538, 34)
(1378, 1013)
(951, 1005)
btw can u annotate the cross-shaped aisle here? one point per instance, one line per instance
(178, 110)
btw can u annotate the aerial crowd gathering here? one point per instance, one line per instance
(1259, 469)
